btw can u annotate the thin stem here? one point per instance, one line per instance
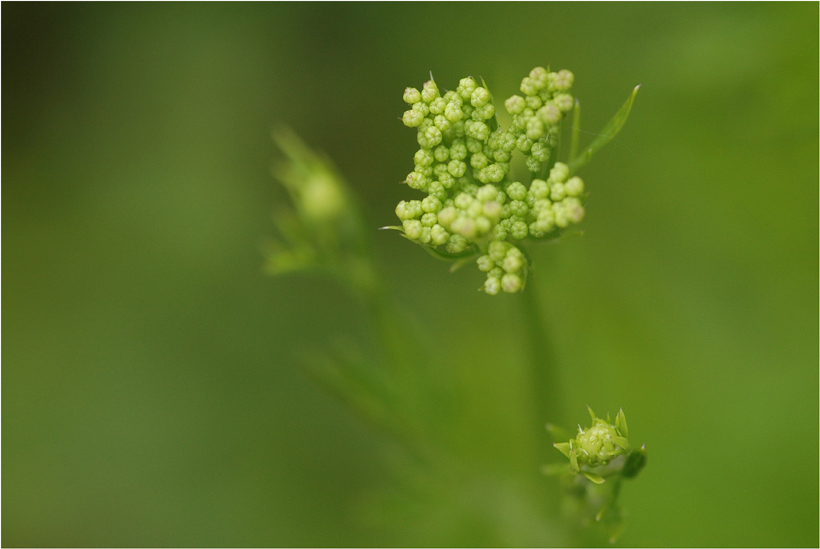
(546, 390)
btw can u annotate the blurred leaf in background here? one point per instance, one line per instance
(151, 391)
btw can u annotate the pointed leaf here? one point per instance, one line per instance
(622, 442)
(593, 477)
(563, 447)
(620, 423)
(606, 135)
(591, 413)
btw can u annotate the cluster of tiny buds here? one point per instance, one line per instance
(463, 163)
(598, 444)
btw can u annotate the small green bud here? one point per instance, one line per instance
(457, 244)
(550, 113)
(493, 210)
(484, 113)
(421, 108)
(477, 130)
(457, 168)
(519, 230)
(441, 153)
(447, 181)
(436, 189)
(496, 272)
(500, 155)
(423, 157)
(535, 129)
(539, 77)
(447, 215)
(451, 96)
(465, 88)
(463, 201)
(516, 191)
(529, 86)
(557, 192)
(564, 102)
(524, 143)
(534, 102)
(429, 219)
(417, 181)
(487, 193)
(412, 118)
(559, 172)
(498, 250)
(515, 104)
(563, 80)
(492, 285)
(511, 283)
(473, 145)
(401, 210)
(600, 443)
(533, 164)
(426, 171)
(411, 95)
(485, 263)
(479, 160)
(429, 92)
(439, 235)
(458, 150)
(483, 224)
(540, 151)
(546, 220)
(442, 123)
(573, 209)
(431, 204)
(574, 186)
(479, 97)
(539, 189)
(464, 226)
(429, 138)
(453, 112)
(512, 262)
(437, 105)
(412, 229)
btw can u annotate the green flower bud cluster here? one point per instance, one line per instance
(598, 445)
(463, 165)
(600, 458)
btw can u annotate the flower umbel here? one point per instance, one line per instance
(464, 166)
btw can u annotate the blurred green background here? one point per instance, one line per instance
(151, 388)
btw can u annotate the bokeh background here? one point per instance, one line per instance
(152, 392)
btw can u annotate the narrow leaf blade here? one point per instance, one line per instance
(607, 134)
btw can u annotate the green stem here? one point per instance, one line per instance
(545, 382)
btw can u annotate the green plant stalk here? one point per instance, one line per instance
(544, 377)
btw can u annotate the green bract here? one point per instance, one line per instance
(465, 162)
